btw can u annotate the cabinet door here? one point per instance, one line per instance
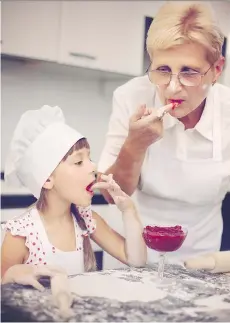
(31, 29)
(104, 35)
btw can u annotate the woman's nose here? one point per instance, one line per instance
(174, 84)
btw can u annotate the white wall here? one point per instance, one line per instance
(84, 96)
(222, 11)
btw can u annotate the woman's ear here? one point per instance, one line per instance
(218, 67)
(49, 183)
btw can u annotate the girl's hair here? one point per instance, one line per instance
(180, 22)
(89, 258)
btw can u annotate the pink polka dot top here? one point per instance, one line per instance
(41, 251)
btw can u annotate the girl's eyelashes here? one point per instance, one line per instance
(79, 163)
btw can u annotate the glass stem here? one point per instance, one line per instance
(161, 266)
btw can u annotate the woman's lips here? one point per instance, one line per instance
(176, 102)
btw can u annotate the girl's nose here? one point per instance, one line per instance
(94, 167)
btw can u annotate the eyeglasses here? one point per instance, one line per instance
(159, 77)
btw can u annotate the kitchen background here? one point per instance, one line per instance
(74, 54)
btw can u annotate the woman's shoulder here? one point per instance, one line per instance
(137, 89)
(219, 98)
(222, 88)
(222, 94)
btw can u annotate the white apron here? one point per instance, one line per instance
(71, 261)
(175, 190)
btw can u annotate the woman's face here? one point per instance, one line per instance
(187, 58)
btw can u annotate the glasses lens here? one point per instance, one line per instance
(159, 77)
(190, 79)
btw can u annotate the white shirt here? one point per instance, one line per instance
(186, 174)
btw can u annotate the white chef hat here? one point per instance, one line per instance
(40, 141)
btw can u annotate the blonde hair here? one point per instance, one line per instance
(42, 203)
(183, 22)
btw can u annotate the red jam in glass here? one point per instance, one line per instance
(164, 239)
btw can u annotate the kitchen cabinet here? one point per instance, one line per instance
(31, 29)
(102, 35)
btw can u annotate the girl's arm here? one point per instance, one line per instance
(130, 250)
(13, 252)
(13, 270)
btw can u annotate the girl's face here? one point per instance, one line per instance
(190, 59)
(73, 177)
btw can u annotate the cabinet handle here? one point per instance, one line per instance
(80, 55)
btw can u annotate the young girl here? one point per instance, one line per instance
(53, 161)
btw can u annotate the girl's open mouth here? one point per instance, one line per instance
(89, 187)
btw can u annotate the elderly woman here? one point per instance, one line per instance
(169, 133)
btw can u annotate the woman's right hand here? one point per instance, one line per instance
(146, 127)
(24, 274)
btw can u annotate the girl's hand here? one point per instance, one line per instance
(121, 199)
(29, 274)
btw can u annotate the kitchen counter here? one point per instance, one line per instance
(198, 296)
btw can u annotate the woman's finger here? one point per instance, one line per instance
(157, 114)
(163, 110)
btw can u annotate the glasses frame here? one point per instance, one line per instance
(178, 76)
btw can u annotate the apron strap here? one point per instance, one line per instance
(41, 229)
(43, 235)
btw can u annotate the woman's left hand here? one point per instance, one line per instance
(121, 199)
